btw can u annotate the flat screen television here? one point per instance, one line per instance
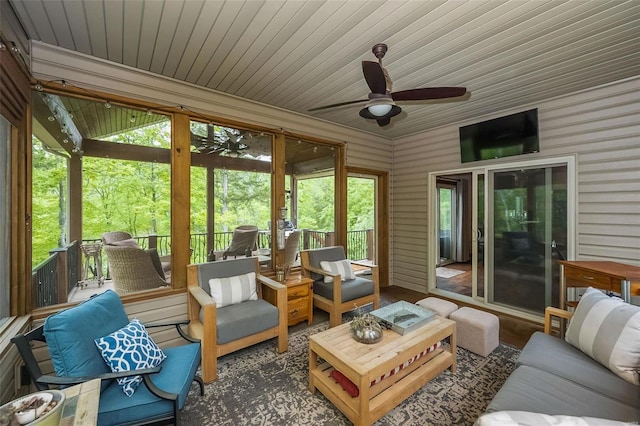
(513, 134)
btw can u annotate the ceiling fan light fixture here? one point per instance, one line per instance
(380, 110)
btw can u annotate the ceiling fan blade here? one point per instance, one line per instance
(337, 105)
(374, 75)
(428, 93)
(383, 121)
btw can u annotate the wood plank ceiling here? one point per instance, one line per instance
(298, 55)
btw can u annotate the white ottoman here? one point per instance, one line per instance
(477, 331)
(441, 307)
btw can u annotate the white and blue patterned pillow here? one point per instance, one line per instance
(130, 348)
(342, 267)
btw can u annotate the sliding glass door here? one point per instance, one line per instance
(528, 215)
(510, 225)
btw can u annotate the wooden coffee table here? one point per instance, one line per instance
(363, 363)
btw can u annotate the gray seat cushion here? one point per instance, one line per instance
(558, 357)
(532, 389)
(244, 319)
(351, 289)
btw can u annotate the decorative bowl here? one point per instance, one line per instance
(47, 413)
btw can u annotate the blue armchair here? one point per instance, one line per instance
(336, 294)
(70, 337)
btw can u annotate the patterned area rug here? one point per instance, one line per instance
(443, 272)
(257, 386)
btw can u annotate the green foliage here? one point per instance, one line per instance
(135, 197)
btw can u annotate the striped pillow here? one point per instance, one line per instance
(232, 290)
(522, 418)
(342, 267)
(608, 330)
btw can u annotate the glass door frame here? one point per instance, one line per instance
(488, 170)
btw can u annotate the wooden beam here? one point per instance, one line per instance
(130, 152)
(278, 196)
(180, 200)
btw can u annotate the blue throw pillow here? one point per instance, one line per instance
(130, 348)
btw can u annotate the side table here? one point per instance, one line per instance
(299, 298)
(81, 405)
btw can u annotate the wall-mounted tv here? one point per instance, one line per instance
(513, 134)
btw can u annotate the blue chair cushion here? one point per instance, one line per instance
(130, 348)
(244, 319)
(71, 333)
(351, 289)
(176, 376)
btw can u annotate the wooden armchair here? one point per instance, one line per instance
(338, 296)
(239, 324)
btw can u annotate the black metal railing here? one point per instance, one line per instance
(54, 278)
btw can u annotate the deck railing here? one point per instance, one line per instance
(54, 278)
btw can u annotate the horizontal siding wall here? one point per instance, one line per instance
(600, 126)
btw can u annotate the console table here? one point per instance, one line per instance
(609, 276)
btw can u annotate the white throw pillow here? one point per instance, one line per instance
(524, 418)
(608, 330)
(342, 267)
(232, 290)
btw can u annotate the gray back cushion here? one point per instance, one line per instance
(330, 254)
(224, 269)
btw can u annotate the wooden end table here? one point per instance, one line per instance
(363, 363)
(299, 299)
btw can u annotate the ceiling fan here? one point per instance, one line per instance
(381, 104)
(221, 142)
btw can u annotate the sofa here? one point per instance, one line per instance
(594, 373)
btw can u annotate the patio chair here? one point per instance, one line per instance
(134, 269)
(226, 320)
(291, 248)
(122, 238)
(334, 292)
(71, 336)
(244, 236)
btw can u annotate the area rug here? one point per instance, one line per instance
(257, 386)
(443, 272)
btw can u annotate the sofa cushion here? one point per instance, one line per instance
(71, 333)
(554, 355)
(157, 264)
(130, 348)
(340, 267)
(231, 290)
(526, 418)
(532, 389)
(608, 330)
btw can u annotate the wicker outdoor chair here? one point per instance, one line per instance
(134, 269)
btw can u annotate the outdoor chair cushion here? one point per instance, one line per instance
(71, 333)
(130, 242)
(329, 254)
(244, 319)
(351, 289)
(117, 409)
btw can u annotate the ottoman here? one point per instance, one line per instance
(477, 331)
(441, 307)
